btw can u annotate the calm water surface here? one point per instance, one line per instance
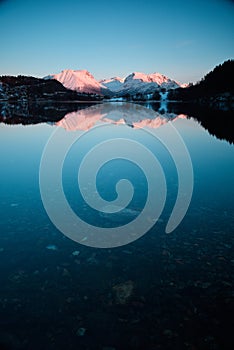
(162, 291)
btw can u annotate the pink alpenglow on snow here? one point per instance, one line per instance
(137, 82)
(113, 84)
(133, 115)
(79, 80)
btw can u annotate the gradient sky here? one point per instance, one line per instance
(181, 39)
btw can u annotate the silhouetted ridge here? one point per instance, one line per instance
(215, 89)
(30, 88)
(220, 79)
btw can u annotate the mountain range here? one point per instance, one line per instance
(130, 114)
(215, 90)
(135, 83)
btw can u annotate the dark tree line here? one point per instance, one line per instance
(218, 81)
(35, 88)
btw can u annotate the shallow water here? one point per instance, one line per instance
(161, 291)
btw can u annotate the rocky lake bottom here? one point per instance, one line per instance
(162, 291)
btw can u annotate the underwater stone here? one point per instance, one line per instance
(81, 331)
(52, 247)
(76, 253)
(123, 291)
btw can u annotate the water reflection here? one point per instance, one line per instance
(27, 113)
(83, 116)
(156, 290)
(132, 115)
(217, 122)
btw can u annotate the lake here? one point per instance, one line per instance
(117, 225)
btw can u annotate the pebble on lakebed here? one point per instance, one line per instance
(76, 253)
(81, 331)
(52, 247)
(123, 291)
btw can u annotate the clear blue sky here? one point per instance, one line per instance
(183, 39)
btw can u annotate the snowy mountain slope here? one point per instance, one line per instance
(79, 80)
(113, 84)
(135, 83)
(138, 82)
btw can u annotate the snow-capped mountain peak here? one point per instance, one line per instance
(150, 78)
(135, 83)
(121, 80)
(114, 84)
(79, 80)
(141, 83)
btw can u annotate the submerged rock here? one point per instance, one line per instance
(76, 253)
(14, 204)
(52, 247)
(81, 331)
(123, 292)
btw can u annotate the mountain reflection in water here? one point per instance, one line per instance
(133, 115)
(162, 291)
(83, 116)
